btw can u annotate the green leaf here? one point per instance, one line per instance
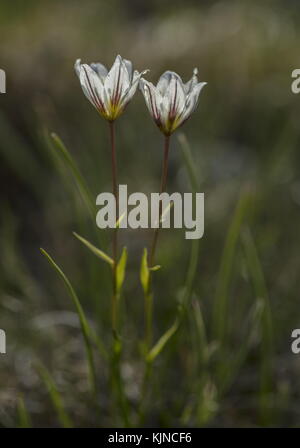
(99, 253)
(265, 326)
(84, 190)
(85, 328)
(120, 271)
(24, 417)
(155, 268)
(202, 344)
(158, 347)
(193, 174)
(145, 272)
(220, 309)
(55, 397)
(189, 162)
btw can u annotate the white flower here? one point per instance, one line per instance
(171, 102)
(109, 91)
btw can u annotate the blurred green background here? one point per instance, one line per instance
(244, 139)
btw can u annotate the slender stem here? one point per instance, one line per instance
(163, 185)
(148, 317)
(148, 294)
(117, 384)
(144, 392)
(115, 234)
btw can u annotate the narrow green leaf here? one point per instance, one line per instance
(85, 328)
(193, 263)
(84, 190)
(161, 343)
(24, 417)
(144, 272)
(201, 333)
(265, 326)
(189, 162)
(99, 253)
(155, 268)
(225, 271)
(120, 271)
(55, 397)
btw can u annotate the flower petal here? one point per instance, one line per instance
(176, 96)
(188, 87)
(92, 87)
(192, 101)
(117, 80)
(134, 85)
(100, 69)
(152, 97)
(164, 82)
(128, 65)
(77, 67)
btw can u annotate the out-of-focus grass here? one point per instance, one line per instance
(229, 363)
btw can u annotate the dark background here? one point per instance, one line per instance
(244, 138)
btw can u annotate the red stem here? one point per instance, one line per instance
(163, 186)
(115, 234)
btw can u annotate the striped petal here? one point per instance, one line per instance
(152, 98)
(188, 86)
(176, 97)
(92, 87)
(134, 85)
(117, 80)
(109, 91)
(100, 69)
(192, 101)
(172, 102)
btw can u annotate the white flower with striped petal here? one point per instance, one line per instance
(171, 102)
(109, 91)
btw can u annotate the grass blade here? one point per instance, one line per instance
(85, 329)
(55, 397)
(188, 160)
(193, 263)
(225, 271)
(144, 271)
(158, 347)
(24, 417)
(120, 271)
(84, 190)
(99, 253)
(261, 293)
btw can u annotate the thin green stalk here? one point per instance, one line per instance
(118, 271)
(148, 319)
(149, 294)
(144, 391)
(146, 278)
(117, 383)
